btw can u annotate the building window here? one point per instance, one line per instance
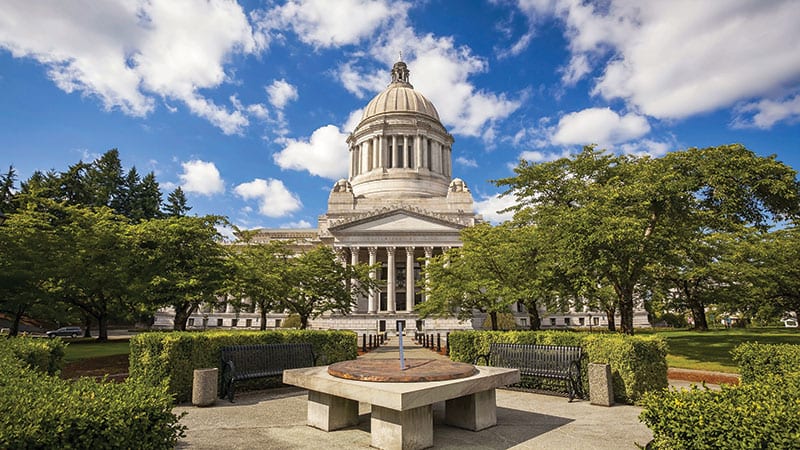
(234, 322)
(552, 321)
(566, 321)
(596, 320)
(191, 322)
(248, 323)
(582, 321)
(277, 323)
(219, 322)
(523, 322)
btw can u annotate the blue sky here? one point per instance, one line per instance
(247, 105)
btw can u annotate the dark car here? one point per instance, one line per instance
(65, 331)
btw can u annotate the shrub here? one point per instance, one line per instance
(761, 414)
(46, 355)
(172, 357)
(638, 364)
(291, 321)
(43, 411)
(757, 361)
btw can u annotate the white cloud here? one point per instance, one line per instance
(674, 59)
(538, 157)
(599, 126)
(325, 154)
(128, 53)
(647, 147)
(466, 162)
(353, 120)
(201, 177)
(274, 200)
(323, 23)
(298, 224)
(768, 113)
(280, 93)
(490, 206)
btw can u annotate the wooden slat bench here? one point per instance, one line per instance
(247, 362)
(540, 361)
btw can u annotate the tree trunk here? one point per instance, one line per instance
(493, 317)
(699, 315)
(102, 327)
(303, 321)
(87, 325)
(263, 319)
(626, 310)
(536, 322)
(14, 331)
(182, 313)
(610, 313)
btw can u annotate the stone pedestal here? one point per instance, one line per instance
(204, 387)
(328, 412)
(411, 429)
(601, 389)
(474, 412)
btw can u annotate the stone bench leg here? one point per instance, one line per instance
(473, 412)
(402, 430)
(328, 412)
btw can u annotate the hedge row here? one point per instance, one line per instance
(761, 414)
(46, 355)
(172, 357)
(43, 411)
(757, 361)
(638, 364)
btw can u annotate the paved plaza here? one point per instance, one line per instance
(276, 419)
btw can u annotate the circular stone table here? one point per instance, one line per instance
(388, 370)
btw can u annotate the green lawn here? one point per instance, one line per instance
(710, 350)
(79, 349)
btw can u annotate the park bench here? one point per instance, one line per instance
(558, 362)
(247, 362)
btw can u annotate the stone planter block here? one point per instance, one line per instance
(204, 387)
(601, 390)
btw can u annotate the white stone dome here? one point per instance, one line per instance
(401, 97)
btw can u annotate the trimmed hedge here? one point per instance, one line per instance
(638, 364)
(761, 414)
(43, 411)
(45, 355)
(171, 357)
(757, 361)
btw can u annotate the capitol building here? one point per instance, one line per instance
(398, 206)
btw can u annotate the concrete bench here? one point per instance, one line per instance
(558, 362)
(247, 362)
(402, 413)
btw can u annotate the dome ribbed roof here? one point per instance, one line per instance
(400, 96)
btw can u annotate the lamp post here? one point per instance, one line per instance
(590, 322)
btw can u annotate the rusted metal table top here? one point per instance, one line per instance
(388, 370)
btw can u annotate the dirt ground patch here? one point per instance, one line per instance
(115, 366)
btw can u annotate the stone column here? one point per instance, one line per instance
(428, 256)
(354, 282)
(406, 151)
(417, 151)
(373, 304)
(229, 307)
(390, 280)
(409, 278)
(393, 153)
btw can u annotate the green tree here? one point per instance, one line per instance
(613, 217)
(320, 283)
(95, 264)
(260, 274)
(26, 264)
(182, 263)
(177, 203)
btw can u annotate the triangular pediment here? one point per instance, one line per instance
(396, 221)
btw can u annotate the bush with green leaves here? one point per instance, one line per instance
(46, 355)
(757, 361)
(760, 414)
(638, 363)
(171, 357)
(43, 411)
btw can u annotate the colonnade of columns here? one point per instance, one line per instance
(401, 152)
(391, 255)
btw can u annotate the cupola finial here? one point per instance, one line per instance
(400, 72)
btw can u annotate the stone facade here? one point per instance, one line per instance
(398, 206)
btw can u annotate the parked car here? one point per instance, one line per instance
(65, 331)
